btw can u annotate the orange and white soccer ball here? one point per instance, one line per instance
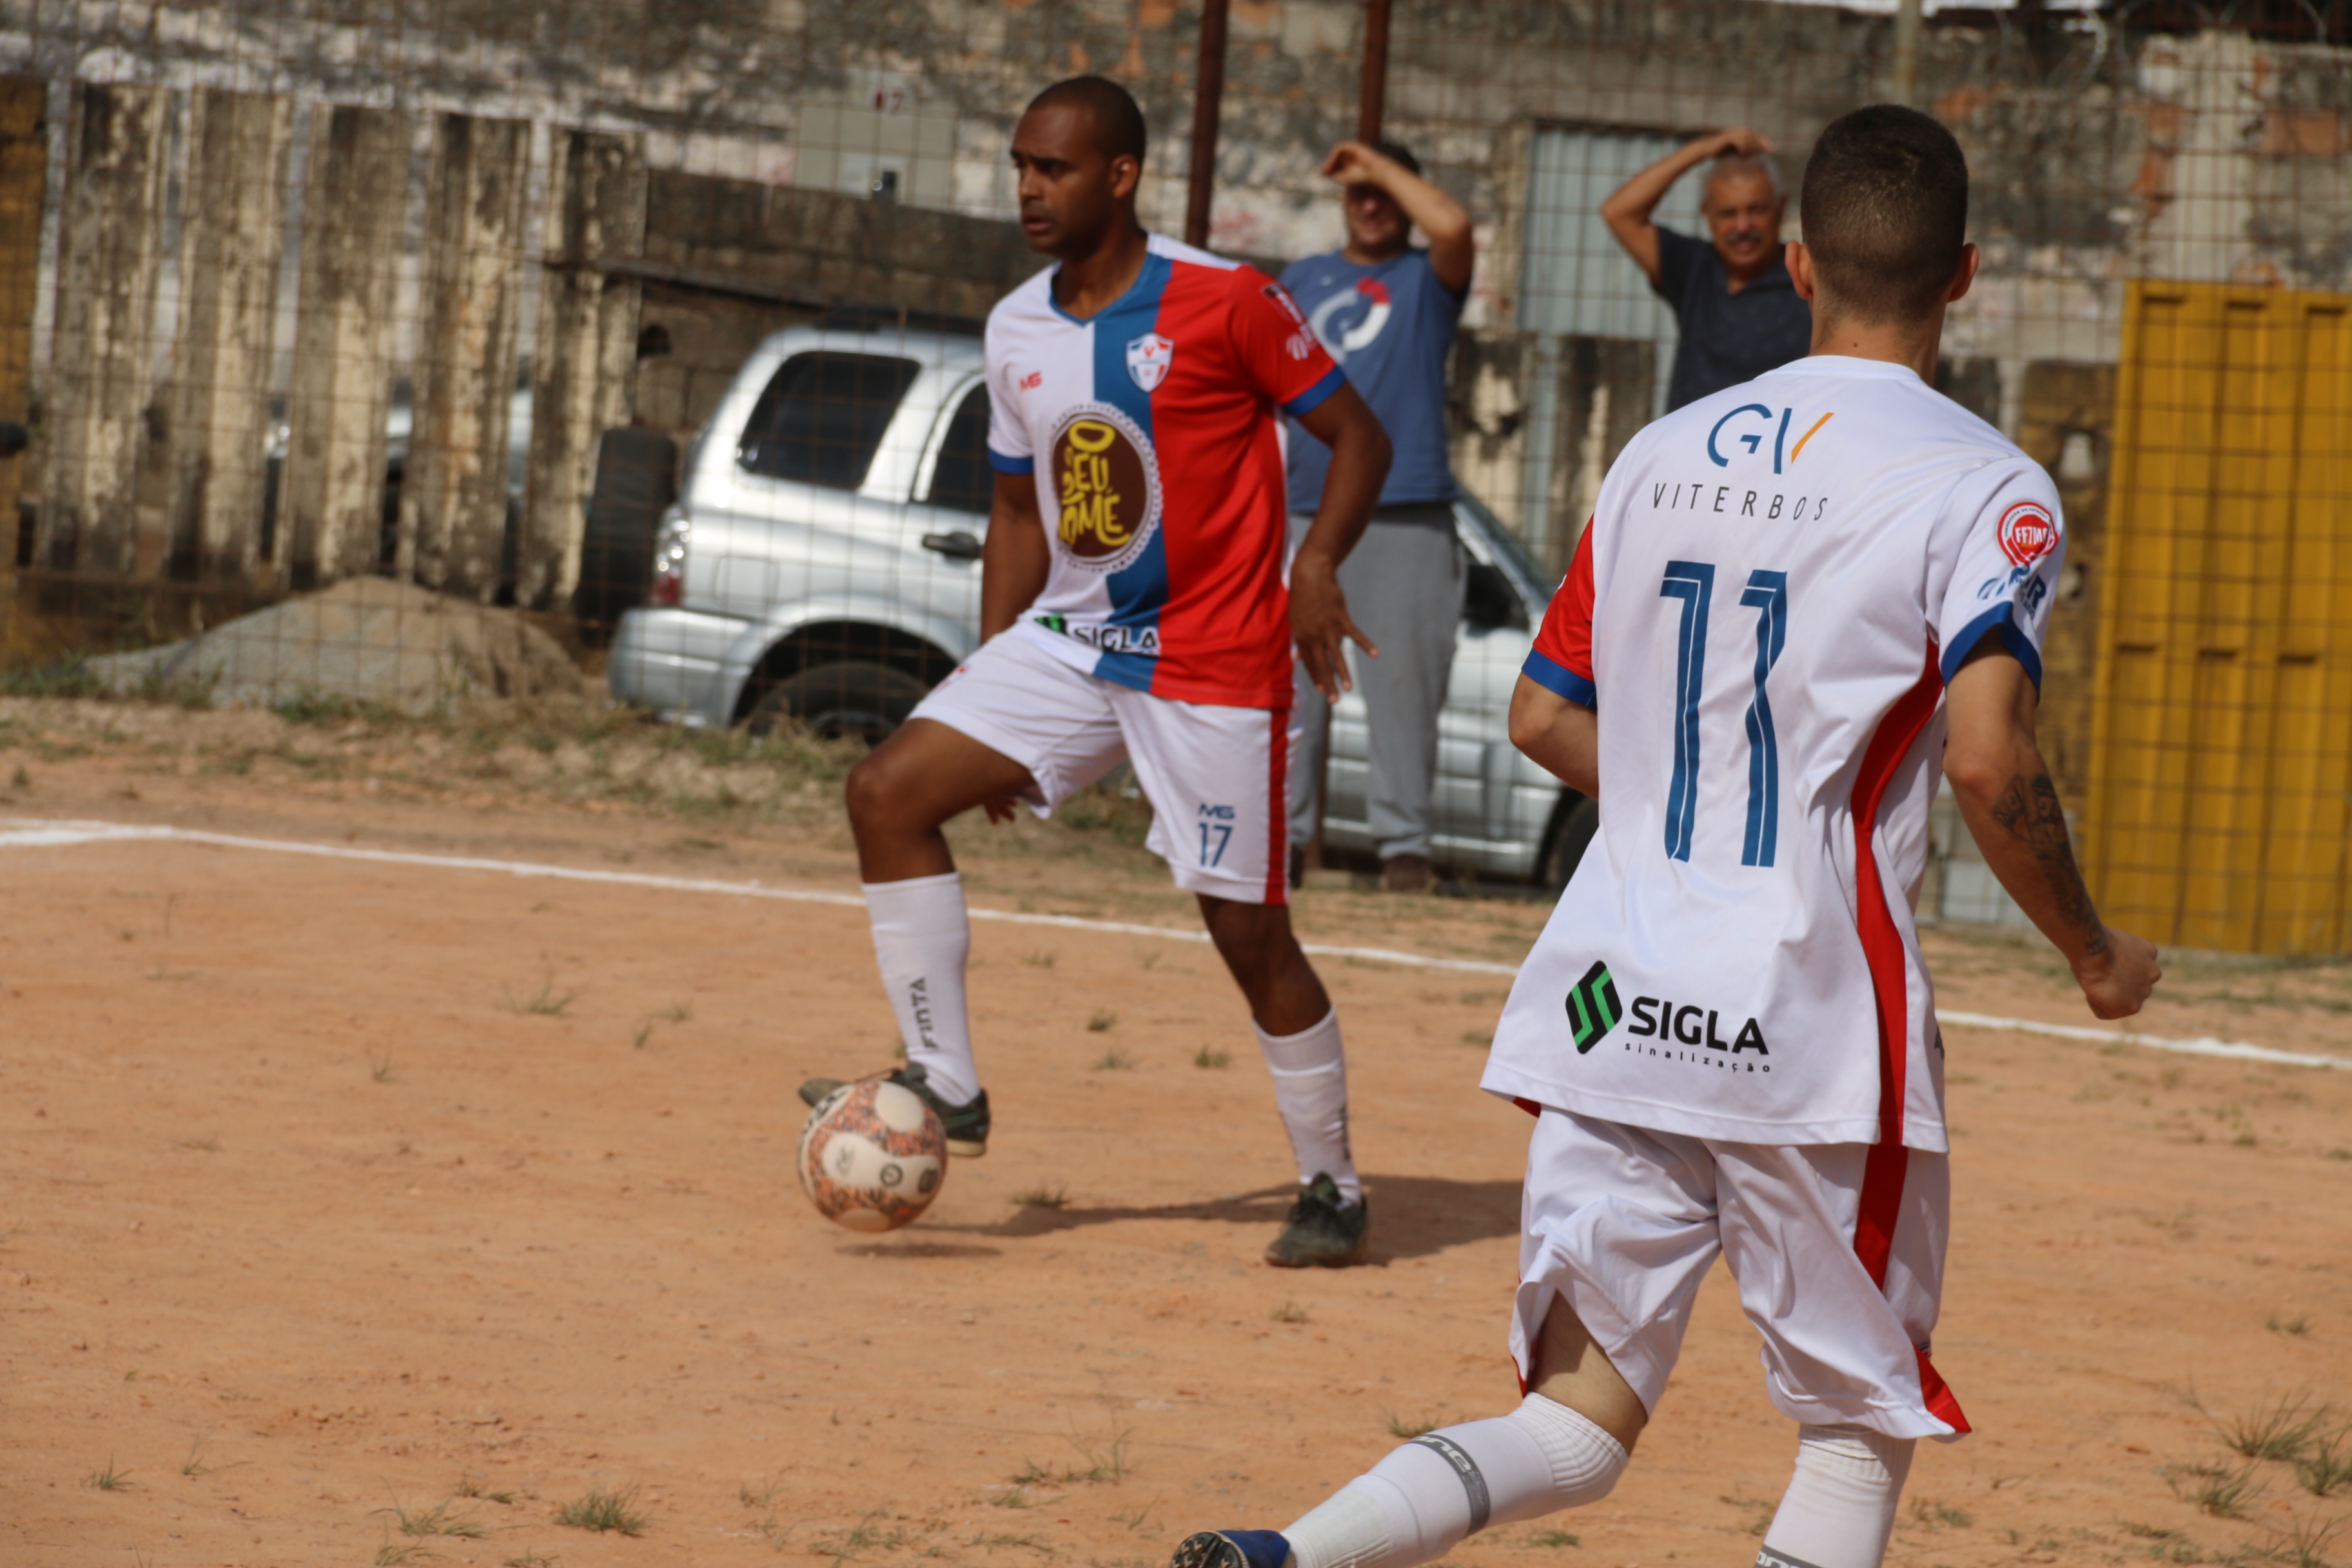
(873, 1155)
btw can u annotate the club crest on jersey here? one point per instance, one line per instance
(1147, 359)
(2028, 533)
(1106, 487)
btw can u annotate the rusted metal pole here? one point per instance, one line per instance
(1208, 91)
(1906, 53)
(1371, 102)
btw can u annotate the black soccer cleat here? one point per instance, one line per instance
(1232, 1549)
(966, 1124)
(1322, 1230)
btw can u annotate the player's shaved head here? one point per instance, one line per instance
(1885, 213)
(1118, 119)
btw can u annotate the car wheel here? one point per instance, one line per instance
(867, 701)
(1574, 821)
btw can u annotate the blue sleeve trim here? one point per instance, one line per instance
(1312, 398)
(1004, 465)
(1557, 678)
(1999, 619)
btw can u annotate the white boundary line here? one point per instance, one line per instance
(35, 832)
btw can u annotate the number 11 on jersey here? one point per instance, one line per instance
(1693, 583)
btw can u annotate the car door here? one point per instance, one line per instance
(801, 509)
(947, 516)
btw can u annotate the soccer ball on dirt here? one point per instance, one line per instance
(872, 1155)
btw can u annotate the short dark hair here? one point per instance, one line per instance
(1398, 152)
(1119, 120)
(1885, 213)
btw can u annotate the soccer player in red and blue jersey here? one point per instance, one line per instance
(1135, 609)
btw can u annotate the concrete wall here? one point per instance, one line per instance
(2099, 154)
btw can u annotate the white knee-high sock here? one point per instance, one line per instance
(1839, 1508)
(921, 940)
(1311, 1089)
(1425, 1496)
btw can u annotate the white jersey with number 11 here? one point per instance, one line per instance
(1776, 584)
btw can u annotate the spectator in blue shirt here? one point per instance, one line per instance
(1739, 314)
(1386, 310)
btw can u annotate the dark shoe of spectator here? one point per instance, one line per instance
(1298, 867)
(1406, 874)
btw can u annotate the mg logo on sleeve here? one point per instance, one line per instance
(1592, 1009)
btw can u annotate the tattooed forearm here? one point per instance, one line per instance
(2030, 811)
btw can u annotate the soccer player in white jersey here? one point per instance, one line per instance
(1133, 392)
(1796, 600)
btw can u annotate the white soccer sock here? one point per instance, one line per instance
(1311, 1089)
(1422, 1501)
(1839, 1508)
(921, 939)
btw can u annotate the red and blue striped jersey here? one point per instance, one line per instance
(1151, 431)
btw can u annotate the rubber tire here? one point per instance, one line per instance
(1574, 821)
(868, 700)
(636, 481)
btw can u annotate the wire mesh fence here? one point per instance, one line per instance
(654, 330)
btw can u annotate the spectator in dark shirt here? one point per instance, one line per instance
(1739, 314)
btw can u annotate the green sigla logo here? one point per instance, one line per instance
(1592, 1009)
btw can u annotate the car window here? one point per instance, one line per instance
(963, 479)
(822, 417)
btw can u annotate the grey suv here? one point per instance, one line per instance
(822, 561)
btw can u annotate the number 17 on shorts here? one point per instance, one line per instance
(1216, 826)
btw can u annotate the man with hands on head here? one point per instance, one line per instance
(1385, 311)
(1738, 312)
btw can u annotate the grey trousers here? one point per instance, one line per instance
(1404, 584)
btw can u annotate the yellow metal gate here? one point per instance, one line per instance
(2221, 806)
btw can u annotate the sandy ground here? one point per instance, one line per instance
(342, 1193)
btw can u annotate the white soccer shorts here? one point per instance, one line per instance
(1625, 1223)
(1216, 776)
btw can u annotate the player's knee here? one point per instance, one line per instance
(873, 793)
(1254, 940)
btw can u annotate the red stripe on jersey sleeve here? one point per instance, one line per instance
(1271, 339)
(1561, 660)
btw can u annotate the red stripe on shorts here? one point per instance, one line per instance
(1277, 809)
(1882, 1169)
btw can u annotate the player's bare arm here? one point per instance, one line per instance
(1015, 557)
(2011, 808)
(1015, 560)
(1562, 737)
(1318, 610)
(1446, 222)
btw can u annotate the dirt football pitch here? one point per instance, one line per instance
(377, 1211)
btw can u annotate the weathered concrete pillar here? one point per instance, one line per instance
(583, 370)
(218, 427)
(23, 180)
(110, 226)
(453, 495)
(331, 494)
